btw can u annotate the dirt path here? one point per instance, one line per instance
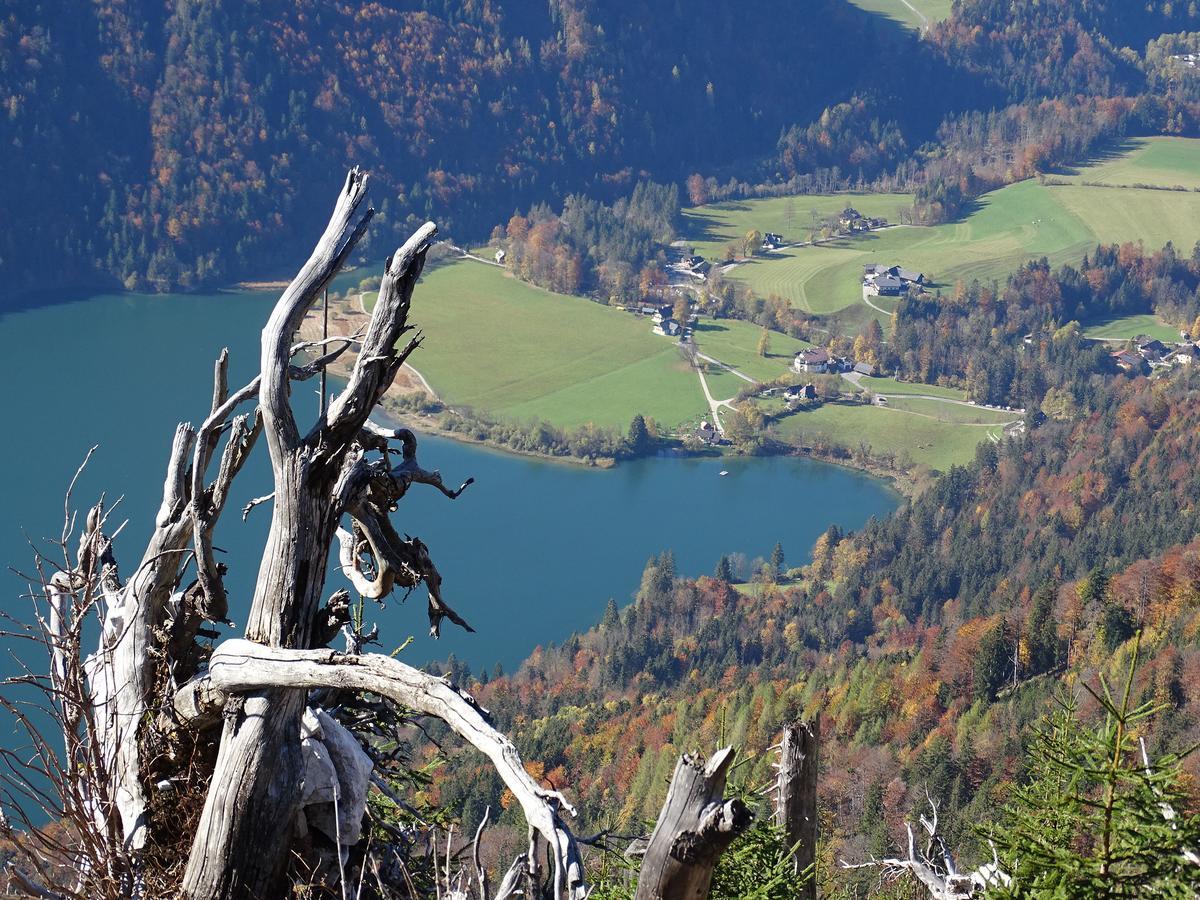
(362, 305)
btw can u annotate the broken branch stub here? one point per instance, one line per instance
(696, 825)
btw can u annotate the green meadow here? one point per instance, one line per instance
(1160, 161)
(913, 14)
(517, 352)
(925, 439)
(1006, 228)
(1127, 327)
(735, 343)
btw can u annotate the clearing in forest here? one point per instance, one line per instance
(1003, 230)
(914, 14)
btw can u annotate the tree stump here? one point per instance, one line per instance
(695, 827)
(796, 796)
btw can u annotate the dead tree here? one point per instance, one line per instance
(795, 793)
(149, 678)
(695, 827)
(934, 866)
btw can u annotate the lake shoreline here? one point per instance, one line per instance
(348, 317)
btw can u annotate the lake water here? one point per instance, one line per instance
(530, 553)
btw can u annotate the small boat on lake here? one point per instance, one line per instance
(722, 472)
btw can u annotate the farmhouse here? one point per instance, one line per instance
(500, 254)
(667, 327)
(772, 241)
(884, 285)
(889, 281)
(1152, 350)
(706, 432)
(1128, 361)
(1185, 354)
(815, 360)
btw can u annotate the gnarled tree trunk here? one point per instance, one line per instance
(796, 796)
(695, 827)
(340, 473)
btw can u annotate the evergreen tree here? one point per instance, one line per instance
(1095, 819)
(724, 571)
(993, 662)
(777, 559)
(611, 616)
(639, 436)
(1042, 631)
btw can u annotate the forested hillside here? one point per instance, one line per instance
(931, 641)
(1050, 552)
(167, 145)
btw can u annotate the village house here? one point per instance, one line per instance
(707, 433)
(1128, 361)
(667, 328)
(815, 360)
(1185, 354)
(772, 241)
(500, 254)
(864, 368)
(1152, 350)
(890, 281)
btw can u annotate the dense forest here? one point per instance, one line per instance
(195, 125)
(930, 642)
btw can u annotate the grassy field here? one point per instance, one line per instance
(518, 352)
(1159, 161)
(1128, 327)
(927, 441)
(952, 413)
(891, 387)
(711, 227)
(735, 343)
(914, 14)
(1006, 228)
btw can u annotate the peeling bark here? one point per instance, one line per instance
(696, 825)
(796, 796)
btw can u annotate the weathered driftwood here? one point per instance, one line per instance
(695, 827)
(796, 796)
(934, 866)
(241, 667)
(258, 688)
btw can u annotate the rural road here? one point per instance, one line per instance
(362, 304)
(713, 405)
(727, 368)
(920, 15)
(489, 262)
(856, 379)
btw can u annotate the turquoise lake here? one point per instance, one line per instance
(530, 553)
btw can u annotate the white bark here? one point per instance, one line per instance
(239, 666)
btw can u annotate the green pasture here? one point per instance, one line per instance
(517, 352)
(952, 413)
(1160, 161)
(710, 228)
(735, 343)
(1127, 327)
(926, 441)
(915, 14)
(1005, 229)
(891, 387)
